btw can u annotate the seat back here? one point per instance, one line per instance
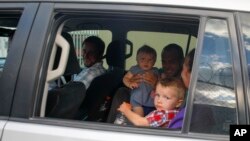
(105, 85)
(64, 101)
(73, 66)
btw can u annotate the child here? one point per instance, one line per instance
(169, 95)
(140, 94)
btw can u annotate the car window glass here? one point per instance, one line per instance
(7, 29)
(214, 100)
(3, 50)
(245, 25)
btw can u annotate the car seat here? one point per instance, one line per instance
(73, 66)
(103, 87)
(64, 101)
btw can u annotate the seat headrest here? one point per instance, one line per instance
(115, 54)
(72, 65)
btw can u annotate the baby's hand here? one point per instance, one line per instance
(124, 107)
(150, 78)
(133, 85)
(136, 78)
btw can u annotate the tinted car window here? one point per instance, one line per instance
(7, 29)
(215, 92)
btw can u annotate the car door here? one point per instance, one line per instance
(28, 116)
(15, 24)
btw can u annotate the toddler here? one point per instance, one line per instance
(140, 94)
(169, 95)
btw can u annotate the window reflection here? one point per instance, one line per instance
(245, 25)
(214, 93)
(6, 34)
(215, 69)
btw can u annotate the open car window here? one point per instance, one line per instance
(123, 33)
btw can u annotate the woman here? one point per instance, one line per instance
(177, 121)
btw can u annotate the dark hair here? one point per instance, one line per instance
(174, 82)
(98, 44)
(147, 49)
(175, 48)
(190, 58)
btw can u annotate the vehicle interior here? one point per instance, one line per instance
(123, 34)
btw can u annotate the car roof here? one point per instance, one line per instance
(239, 5)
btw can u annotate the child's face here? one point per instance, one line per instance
(166, 98)
(145, 61)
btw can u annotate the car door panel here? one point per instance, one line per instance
(41, 132)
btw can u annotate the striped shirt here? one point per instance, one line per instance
(87, 75)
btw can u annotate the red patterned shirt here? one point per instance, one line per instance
(160, 118)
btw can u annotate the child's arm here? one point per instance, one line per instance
(129, 80)
(137, 120)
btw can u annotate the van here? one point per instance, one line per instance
(39, 100)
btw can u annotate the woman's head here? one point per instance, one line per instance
(187, 68)
(146, 57)
(172, 60)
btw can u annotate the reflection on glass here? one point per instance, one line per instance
(8, 25)
(4, 46)
(215, 81)
(4, 43)
(215, 85)
(245, 25)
